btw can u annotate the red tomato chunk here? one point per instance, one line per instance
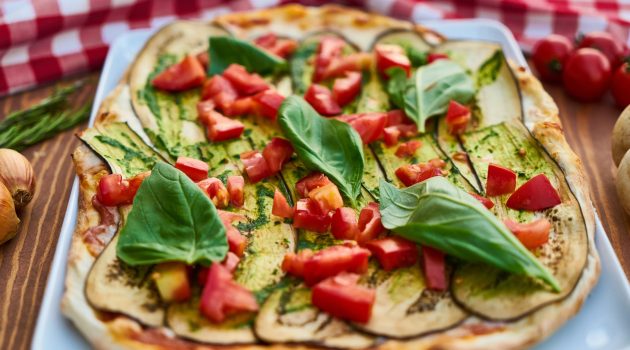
(222, 296)
(434, 268)
(393, 252)
(187, 74)
(532, 234)
(195, 169)
(500, 180)
(536, 194)
(341, 297)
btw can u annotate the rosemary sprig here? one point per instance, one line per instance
(42, 121)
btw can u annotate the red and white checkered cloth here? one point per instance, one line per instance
(44, 40)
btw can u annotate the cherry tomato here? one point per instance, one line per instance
(549, 56)
(605, 43)
(586, 75)
(620, 85)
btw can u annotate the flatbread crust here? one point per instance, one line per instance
(105, 331)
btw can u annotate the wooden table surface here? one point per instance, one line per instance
(25, 260)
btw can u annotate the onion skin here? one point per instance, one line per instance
(16, 173)
(9, 222)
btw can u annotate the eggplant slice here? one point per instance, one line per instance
(405, 308)
(407, 38)
(172, 127)
(114, 286)
(122, 148)
(491, 293)
(288, 317)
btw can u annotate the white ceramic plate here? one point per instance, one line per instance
(603, 322)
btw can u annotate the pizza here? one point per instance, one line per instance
(326, 178)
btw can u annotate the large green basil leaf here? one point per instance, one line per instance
(439, 214)
(430, 89)
(225, 50)
(327, 145)
(171, 220)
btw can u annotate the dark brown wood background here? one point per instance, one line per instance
(25, 260)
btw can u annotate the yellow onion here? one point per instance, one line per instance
(16, 173)
(9, 221)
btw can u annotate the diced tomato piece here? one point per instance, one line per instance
(242, 106)
(216, 191)
(255, 166)
(333, 260)
(322, 100)
(389, 56)
(328, 49)
(344, 224)
(483, 200)
(311, 182)
(408, 149)
(393, 252)
(113, 190)
(231, 261)
(370, 225)
(327, 196)
(457, 117)
(294, 263)
(172, 281)
(434, 268)
(347, 88)
(246, 83)
(355, 62)
(236, 241)
(203, 58)
(220, 128)
(437, 163)
(220, 91)
(278, 46)
(536, 194)
(500, 180)
(369, 126)
(341, 297)
(392, 133)
(276, 153)
(222, 296)
(269, 102)
(266, 41)
(310, 216)
(432, 57)
(236, 188)
(195, 169)
(136, 181)
(397, 117)
(228, 217)
(413, 173)
(187, 74)
(532, 234)
(281, 206)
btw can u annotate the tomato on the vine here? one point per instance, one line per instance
(604, 42)
(620, 85)
(549, 56)
(586, 74)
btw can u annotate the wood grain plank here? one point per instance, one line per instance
(25, 261)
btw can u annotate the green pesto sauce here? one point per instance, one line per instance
(262, 191)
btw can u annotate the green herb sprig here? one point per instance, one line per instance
(42, 121)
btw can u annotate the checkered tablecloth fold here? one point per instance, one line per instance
(44, 40)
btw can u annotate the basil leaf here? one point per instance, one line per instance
(439, 214)
(430, 89)
(225, 50)
(327, 145)
(489, 70)
(171, 220)
(298, 66)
